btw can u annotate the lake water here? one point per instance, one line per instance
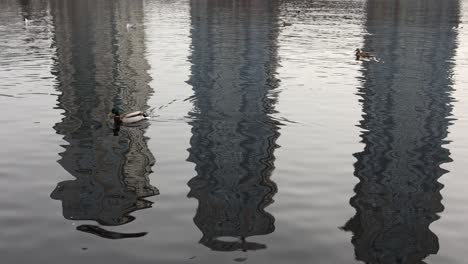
(266, 143)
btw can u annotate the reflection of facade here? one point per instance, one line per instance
(406, 101)
(101, 65)
(36, 7)
(233, 67)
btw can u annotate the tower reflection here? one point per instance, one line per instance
(234, 58)
(31, 10)
(407, 105)
(101, 65)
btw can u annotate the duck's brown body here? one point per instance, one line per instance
(361, 54)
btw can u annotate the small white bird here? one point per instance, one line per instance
(130, 26)
(26, 21)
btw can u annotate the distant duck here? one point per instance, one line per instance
(361, 54)
(286, 24)
(129, 118)
(130, 26)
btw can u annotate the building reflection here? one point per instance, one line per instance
(234, 59)
(407, 105)
(35, 11)
(29, 7)
(100, 64)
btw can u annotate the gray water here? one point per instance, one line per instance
(265, 143)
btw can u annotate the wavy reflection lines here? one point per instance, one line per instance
(407, 108)
(233, 136)
(99, 65)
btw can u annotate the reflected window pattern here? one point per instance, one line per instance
(234, 58)
(407, 106)
(101, 65)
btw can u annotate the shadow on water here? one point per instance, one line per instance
(100, 65)
(234, 59)
(407, 107)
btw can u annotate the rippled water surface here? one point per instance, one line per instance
(267, 141)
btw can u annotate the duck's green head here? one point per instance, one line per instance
(115, 111)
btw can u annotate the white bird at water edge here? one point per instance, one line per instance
(130, 26)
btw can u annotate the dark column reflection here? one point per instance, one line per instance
(234, 59)
(25, 6)
(407, 104)
(32, 9)
(100, 64)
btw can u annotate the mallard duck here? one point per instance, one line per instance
(286, 24)
(362, 54)
(128, 118)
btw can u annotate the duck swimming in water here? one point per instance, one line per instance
(286, 24)
(129, 118)
(361, 54)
